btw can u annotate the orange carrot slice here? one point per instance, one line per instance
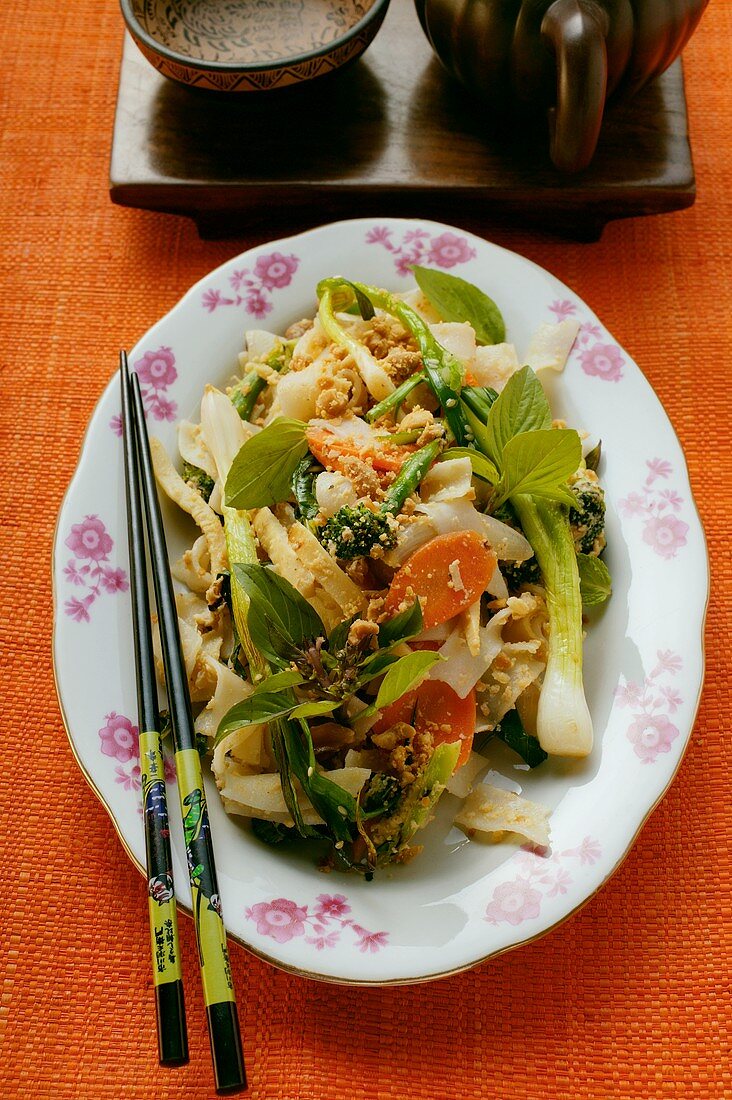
(448, 574)
(330, 450)
(435, 708)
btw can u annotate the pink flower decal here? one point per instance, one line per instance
(280, 919)
(254, 289)
(129, 780)
(513, 902)
(157, 372)
(663, 530)
(658, 468)
(651, 734)
(276, 271)
(369, 941)
(119, 738)
(114, 580)
(116, 424)
(604, 361)
(448, 250)
(331, 905)
(89, 539)
(327, 920)
(665, 534)
(157, 368)
(91, 545)
(563, 309)
(78, 610)
(540, 876)
(418, 246)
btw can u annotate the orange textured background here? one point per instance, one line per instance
(631, 998)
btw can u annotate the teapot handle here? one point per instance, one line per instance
(575, 30)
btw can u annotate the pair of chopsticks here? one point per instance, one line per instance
(218, 989)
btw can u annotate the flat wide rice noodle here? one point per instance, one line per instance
(489, 813)
(230, 689)
(448, 480)
(551, 344)
(461, 782)
(193, 449)
(494, 364)
(458, 337)
(223, 430)
(461, 515)
(191, 502)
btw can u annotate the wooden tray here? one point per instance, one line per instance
(390, 134)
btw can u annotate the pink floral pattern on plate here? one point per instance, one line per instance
(417, 246)
(89, 570)
(120, 739)
(652, 702)
(598, 357)
(539, 877)
(322, 924)
(255, 286)
(663, 530)
(157, 373)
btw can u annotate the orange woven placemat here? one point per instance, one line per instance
(631, 998)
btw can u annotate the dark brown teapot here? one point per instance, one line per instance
(563, 56)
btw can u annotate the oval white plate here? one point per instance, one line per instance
(459, 903)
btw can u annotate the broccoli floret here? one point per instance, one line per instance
(587, 518)
(354, 532)
(199, 479)
(517, 573)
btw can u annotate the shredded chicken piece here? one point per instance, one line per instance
(383, 334)
(362, 476)
(424, 421)
(362, 631)
(401, 363)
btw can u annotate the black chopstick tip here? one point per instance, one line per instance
(226, 1051)
(172, 1037)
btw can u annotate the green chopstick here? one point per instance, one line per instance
(218, 986)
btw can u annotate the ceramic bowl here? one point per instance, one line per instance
(251, 45)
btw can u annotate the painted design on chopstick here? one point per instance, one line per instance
(652, 701)
(598, 356)
(255, 287)
(157, 373)
(326, 921)
(663, 530)
(539, 877)
(418, 246)
(89, 569)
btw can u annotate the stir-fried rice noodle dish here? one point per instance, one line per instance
(395, 545)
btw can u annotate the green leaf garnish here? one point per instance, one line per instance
(407, 624)
(482, 466)
(455, 299)
(539, 462)
(595, 582)
(261, 474)
(279, 682)
(402, 676)
(511, 731)
(279, 618)
(520, 407)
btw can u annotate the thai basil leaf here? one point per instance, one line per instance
(595, 582)
(339, 635)
(407, 624)
(592, 459)
(255, 710)
(520, 407)
(455, 299)
(402, 676)
(279, 682)
(279, 737)
(482, 466)
(314, 708)
(539, 462)
(279, 618)
(511, 731)
(336, 806)
(272, 832)
(261, 474)
(375, 665)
